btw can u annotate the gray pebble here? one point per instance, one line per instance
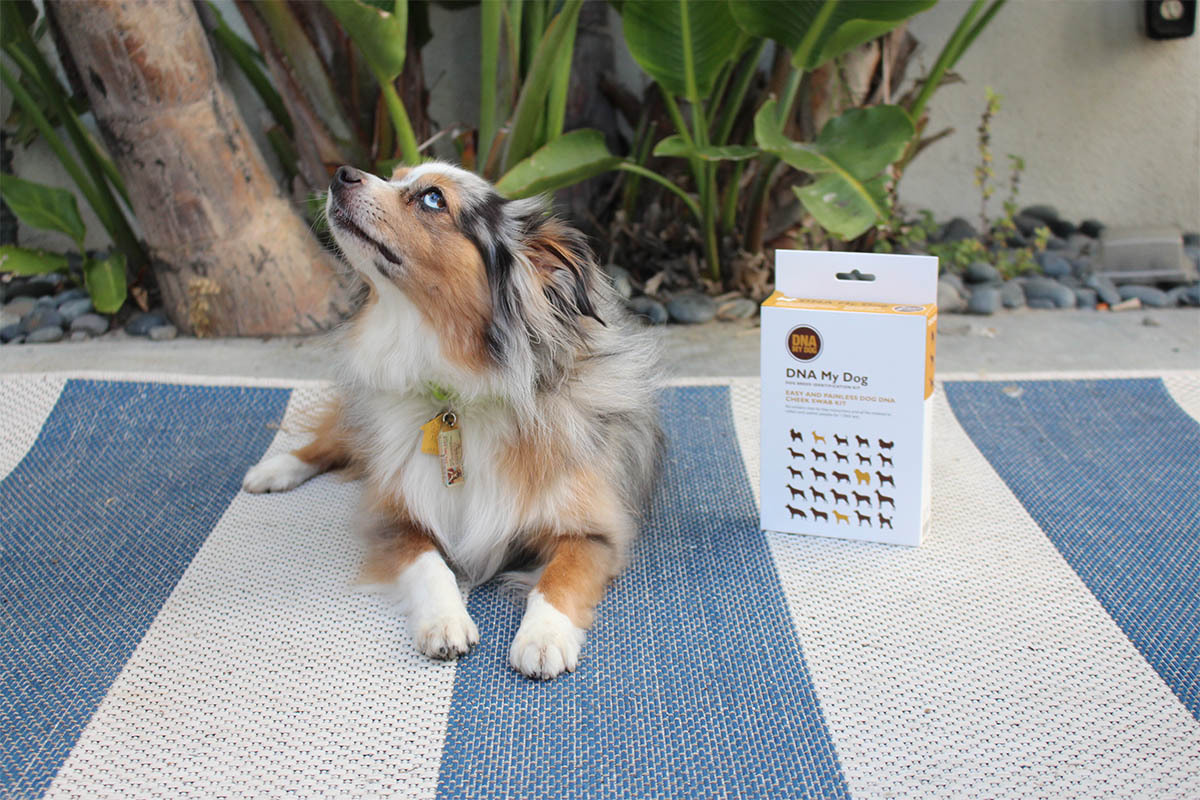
(20, 306)
(956, 230)
(1179, 296)
(50, 333)
(1155, 298)
(981, 272)
(1042, 211)
(1191, 239)
(737, 308)
(1085, 298)
(984, 300)
(1038, 288)
(1082, 265)
(1092, 228)
(45, 301)
(1054, 265)
(68, 295)
(648, 310)
(1012, 294)
(10, 332)
(37, 286)
(691, 308)
(41, 317)
(72, 309)
(91, 324)
(1056, 243)
(8, 318)
(161, 333)
(1061, 228)
(1105, 288)
(1080, 244)
(141, 323)
(619, 276)
(1042, 303)
(1027, 225)
(949, 299)
(954, 280)
(79, 336)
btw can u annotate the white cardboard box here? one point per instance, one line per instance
(847, 376)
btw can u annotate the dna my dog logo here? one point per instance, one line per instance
(804, 343)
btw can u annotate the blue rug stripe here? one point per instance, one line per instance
(97, 523)
(1110, 470)
(692, 684)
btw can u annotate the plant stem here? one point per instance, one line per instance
(489, 22)
(948, 56)
(556, 103)
(729, 113)
(399, 115)
(688, 200)
(803, 52)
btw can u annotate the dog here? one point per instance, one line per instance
(817, 474)
(488, 323)
(796, 473)
(841, 457)
(885, 521)
(795, 454)
(884, 461)
(863, 459)
(838, 497)
(859, 499)
(839, 517)
(818, 514)
(838, 477)
(883, 498)
(818, 438)
(884, 478)
(885, 445)
(862, 477)
(842, 440)
(795, 511)
(795, 435)
(818, 455)
(863, 518)
(816, 495)
(861, 441)
(795, 492)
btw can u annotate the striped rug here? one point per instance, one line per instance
(166, 635)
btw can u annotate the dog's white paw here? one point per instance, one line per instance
(445, 636)
(277, 474)
(547, 643)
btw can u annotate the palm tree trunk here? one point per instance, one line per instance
(231, 256)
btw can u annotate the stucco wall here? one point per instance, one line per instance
(1107, 119)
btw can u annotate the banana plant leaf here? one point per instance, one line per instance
(572, 157)
(381, 36)
(676, 146)
(105, 281)
(848, 195)
(45, 207)
(844, 24)
(680, 44)
(26, 261)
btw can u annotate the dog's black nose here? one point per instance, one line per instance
(347, 175)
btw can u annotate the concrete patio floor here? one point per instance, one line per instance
(1023, 341)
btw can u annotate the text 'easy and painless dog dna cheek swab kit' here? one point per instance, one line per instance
(847, 380)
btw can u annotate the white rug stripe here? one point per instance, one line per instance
(25, 402)
(1185, 391)
(978, 665)
(267, 673)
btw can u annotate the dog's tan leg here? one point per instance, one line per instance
(560, 607)
(329, 449)
(404, 559)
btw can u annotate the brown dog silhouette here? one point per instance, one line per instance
(841, 476)
(839, 497)
(796, 473)
(842, 440)
(818, 514)
(812, 490)
(818, 455)
(795, 492)
(863, 459)
(795, 454)
(885, 445)
(795, 435)
(841, 458)
(818, 438)
(795, 511)
(863, 477)
(884, 461)
(863, 518)
(861, 441)
(884, 478)
(840, 518)
(883, 498)
(859, 498)
(885, 521)
(817, 474)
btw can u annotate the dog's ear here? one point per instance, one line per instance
(565, 267)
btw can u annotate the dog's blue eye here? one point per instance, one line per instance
(433, 200)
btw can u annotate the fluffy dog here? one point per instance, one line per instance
(498, 403)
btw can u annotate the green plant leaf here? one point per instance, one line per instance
(44, 207)
(676, 146)
(666, 38)
(572, 157)
(26, 261)
(105, 281)
(847, 196)
(788, 23)
(379, 35)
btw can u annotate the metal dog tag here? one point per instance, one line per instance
(449, 441)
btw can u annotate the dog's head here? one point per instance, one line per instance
(498, 281)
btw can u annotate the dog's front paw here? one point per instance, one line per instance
(277, 474)
(444, 636)
(547, 643)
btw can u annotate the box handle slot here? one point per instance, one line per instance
(855, 275)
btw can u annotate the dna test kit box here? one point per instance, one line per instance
(847, 376)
